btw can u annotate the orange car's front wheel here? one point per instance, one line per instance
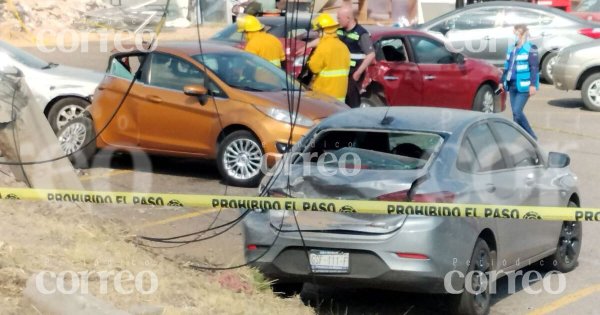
(240, 159)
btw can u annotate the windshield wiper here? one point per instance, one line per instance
(49, 65)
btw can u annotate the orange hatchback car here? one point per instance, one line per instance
(222, 104)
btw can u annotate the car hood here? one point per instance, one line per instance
(312, 105)
(73, 75)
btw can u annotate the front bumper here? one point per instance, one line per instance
(565, 76)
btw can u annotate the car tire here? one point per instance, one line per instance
(485, 100)
(287, 290)
(547, 65)
(475, 304)
(372, 101)
(565, 259)
(65, 110)
(246, 172)
(74, 136)
(590, 92)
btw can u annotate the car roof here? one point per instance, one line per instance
(191, 48)
(505, 4)
(274, 20)
(381, 31)
(417, 118)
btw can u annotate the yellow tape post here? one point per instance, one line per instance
(301, 204)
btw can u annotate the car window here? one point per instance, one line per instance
(170, 72)
(516, 16)
(246, 71)
(430, 51)
(485, 147)
(230, 33)
(520, 150)
(125, 67)
(374, 150)
(466, 161)
(588, 6)
(392, 49)
(470, 20)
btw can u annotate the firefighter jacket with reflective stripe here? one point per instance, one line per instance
(266, 46)
(352, 40)
(524, 69)
(330, 62)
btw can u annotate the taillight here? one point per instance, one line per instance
(412, 256)
(590, 32)
(251, 247)
(441, 197)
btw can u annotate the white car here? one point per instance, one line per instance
(63, 92)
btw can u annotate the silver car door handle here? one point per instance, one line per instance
(429, 77)
(490, 188)
(390, 78)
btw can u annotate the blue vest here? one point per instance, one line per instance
(523, 74)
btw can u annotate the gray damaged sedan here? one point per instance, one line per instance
(421, 155)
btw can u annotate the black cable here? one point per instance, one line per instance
(114, 114)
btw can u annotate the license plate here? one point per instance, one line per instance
(329, 261)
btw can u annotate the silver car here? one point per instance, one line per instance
(63, 92)
(578, 68)
(422, 155)
(485, 30)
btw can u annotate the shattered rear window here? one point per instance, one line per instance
(374, 150)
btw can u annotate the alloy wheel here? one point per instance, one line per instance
(550, 66)
(488, 103)
(72, 138)
(568, 242)
(242, 159)
(67, 114)
(480, 280)
(594, 92)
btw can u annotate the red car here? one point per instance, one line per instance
(414, 68)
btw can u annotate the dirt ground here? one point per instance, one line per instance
(61, 237)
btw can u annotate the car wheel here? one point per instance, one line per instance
(590, 92)
(468, 303)
(240, 159)
(547, 66)
(371, 101)
(484, 100)
(76, 134)
(287, 289)
(568, 248)
(66, 110)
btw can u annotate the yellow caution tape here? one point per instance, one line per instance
(302, 204)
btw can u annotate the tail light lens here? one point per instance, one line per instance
(412, 256)
(251, 247)
(441, 197)
(590, 32)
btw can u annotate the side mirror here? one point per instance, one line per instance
(444, 30)
(198, 91)
(459, 58)
(558, 160)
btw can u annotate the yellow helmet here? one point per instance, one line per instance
(324, 21)
(248, 23)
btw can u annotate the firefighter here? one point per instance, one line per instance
(260, 42)
(330, 62)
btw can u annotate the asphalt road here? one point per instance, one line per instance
(557, 117)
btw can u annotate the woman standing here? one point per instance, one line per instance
(521, 75)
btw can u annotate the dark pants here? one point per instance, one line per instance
(517, 103)
(353, 93)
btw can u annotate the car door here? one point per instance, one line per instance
(445, 81)
(118, 115)
(533, 185)
(474, 33)
(170, 120)
(492, 182)
(397, 72)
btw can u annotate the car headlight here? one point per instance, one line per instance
(286, 117)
